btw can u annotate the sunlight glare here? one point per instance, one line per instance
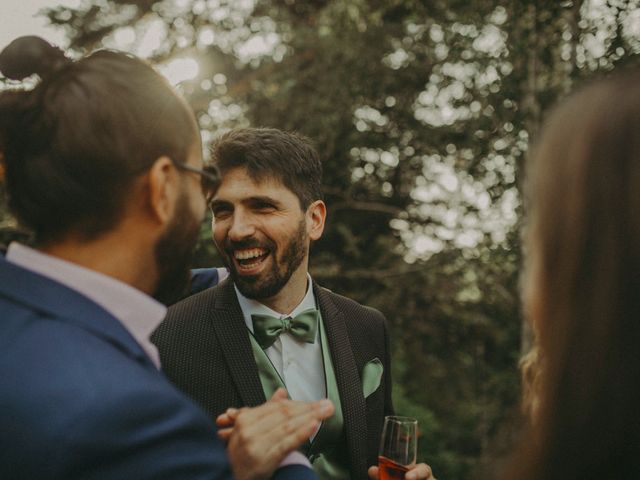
(180, 69)
(154, 34)
(124, 37)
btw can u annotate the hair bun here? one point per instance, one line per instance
(28, 55)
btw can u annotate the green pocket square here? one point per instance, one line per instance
(371, 376)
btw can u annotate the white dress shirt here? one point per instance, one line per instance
(298, 363)
(139, 313)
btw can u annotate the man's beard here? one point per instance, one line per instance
(269, 283)
(174, 253)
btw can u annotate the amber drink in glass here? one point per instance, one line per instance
(398, 447)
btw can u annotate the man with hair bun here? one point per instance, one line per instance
(103, 165)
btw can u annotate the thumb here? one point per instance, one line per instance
(280, 394)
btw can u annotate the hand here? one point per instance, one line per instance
(262, 436)
(225, 421)
(421, 471)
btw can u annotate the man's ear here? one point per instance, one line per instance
(316, 215)
(163, 189)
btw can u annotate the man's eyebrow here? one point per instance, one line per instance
(218, 203)
(263, 199)
(254, 199)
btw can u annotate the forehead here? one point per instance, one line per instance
(237, 183)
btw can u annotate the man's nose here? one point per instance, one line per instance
(242, 226)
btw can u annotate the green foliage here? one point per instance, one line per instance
(455, 336)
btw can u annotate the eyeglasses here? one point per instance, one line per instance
(209, 177)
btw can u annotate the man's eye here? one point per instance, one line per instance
(264, 206)
(220, 212)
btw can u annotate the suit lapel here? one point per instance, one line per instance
(234, 342)
(348, 380)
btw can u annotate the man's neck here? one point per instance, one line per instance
(114, 254)
(289, 296)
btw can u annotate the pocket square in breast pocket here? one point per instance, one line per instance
(371, 376)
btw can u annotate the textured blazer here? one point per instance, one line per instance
(79, 398)
(205, 350)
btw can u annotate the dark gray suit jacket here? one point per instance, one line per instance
(205, 350)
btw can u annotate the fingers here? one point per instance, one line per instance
(280, 394)
(295, 421)
(284, 421)
(291, 433)
(228, 418)
(277, 428)
(289, 437)
(421, 471)
(262, 436)
(283, 414)
(224, 434)
(225, 423)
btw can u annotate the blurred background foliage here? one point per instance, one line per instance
(423, 112)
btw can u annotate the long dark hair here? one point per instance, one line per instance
(73, 144)
(583, 287)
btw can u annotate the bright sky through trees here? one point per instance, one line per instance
(441, 103)
(20, 17)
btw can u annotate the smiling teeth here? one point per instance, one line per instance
(247, 254)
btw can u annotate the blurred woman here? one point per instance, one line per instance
(582, 289)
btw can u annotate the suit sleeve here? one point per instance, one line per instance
(146, 433)
(75, 405)
(295, 472)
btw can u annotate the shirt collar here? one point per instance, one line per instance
(139, 313)
(251, 307)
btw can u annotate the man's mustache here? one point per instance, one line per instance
(230, 246)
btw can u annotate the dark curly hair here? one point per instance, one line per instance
(270, 153)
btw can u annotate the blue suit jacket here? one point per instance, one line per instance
(203, 278)
(79, 398)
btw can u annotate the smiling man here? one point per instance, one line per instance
(270, 325)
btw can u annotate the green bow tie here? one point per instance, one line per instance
(303, 326)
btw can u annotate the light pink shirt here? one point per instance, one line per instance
(139, 313)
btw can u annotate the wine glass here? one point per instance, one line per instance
(398, 447)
